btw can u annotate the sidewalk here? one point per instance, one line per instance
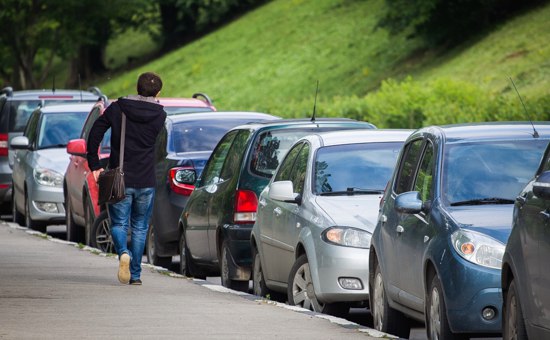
(53, 289)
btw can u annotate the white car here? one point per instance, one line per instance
(315, 219)
(40, 162)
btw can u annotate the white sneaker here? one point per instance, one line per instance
(124, 268)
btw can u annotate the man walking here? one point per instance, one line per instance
(144, 120)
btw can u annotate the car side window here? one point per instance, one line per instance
(94, 114)
(285, 171)
(211, 173)
(32, 127)
(424, 177)
(234, 156)
(408, 166)
(300, 169)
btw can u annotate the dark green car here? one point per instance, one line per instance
(218, 218)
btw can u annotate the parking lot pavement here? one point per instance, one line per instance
(54, 289)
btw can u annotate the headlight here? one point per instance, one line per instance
(48, 177)
(347, 237)
(478, 248)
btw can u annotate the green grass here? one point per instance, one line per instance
(270, 59)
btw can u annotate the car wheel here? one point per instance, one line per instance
(16, 215)
(259, 287)
(29, 222)
(101, 233)
(514, 323)
(152, 257)
(73, 230)
(225, 271)
(385, 318)
(301, 292)
(437, 325)
(88, 221)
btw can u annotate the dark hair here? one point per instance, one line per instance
(149, 84)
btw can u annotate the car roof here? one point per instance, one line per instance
(302, 122)
(487, 131)
(68, 107)
(363, 136)
(53, 95)
(187, 102)
(221, 115)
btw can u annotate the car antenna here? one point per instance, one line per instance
(80, 86)
(315, 102)
(53, 84)
(535, 133)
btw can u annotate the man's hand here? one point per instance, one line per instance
(96, 173)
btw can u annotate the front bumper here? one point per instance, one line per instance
(47, 204)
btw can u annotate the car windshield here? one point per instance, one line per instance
(57, 129)
(354, 168)
(489, 172)
(200, 135)
(174, 110)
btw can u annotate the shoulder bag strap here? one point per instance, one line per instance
(122, 139)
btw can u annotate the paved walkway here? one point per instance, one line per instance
(54, 289)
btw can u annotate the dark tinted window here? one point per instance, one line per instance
(300, 169)
(31, 131)
(366, 166)
(424, 177)
(408, 166)
(56, 130)
(234, 157)
(211, 173)
(171, 110)
(495, 169)
(200, 135)
(285, 172)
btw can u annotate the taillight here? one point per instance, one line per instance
(176, 184)
(3, 144)
(246, 205)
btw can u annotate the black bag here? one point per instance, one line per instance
(111, 182)
(111, 186)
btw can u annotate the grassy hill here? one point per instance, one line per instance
(270, 59)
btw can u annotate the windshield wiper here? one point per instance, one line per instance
(353, 191)
(53, 146)
(480, 201)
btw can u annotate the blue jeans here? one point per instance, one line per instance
(132, 212)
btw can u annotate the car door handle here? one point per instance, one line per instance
(277, 211)
(546, 214)
(399, 229)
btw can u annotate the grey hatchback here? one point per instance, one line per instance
(525, 279)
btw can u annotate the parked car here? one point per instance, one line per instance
(436, 252)
(315, 219)
(218, 217)
(525, 282)
(15, 109)
(80, 189)
(182, 150)
(40, 162)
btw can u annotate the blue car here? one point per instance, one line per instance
(436, 252)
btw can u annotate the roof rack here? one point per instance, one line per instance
(206, 98)
(8, 91)
(95, 90)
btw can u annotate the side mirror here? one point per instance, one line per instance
(77, 147)
(185, 176)
(20, 143)
(283, 191)
(541, 186)
(408, 202)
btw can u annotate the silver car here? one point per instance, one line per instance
(315, 219)
(40, 162)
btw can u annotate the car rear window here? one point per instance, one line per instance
(200, 135)
(56, 130)
(366, 166)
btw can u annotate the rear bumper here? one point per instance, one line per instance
(237, 237)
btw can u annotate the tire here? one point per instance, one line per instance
(29, 222)
(187, 267)
(385, 318)
(17, 217)
(225, 269)
(74, 231)
(437, 324)
(259, 287)
(101, 234)
(514, 323)
(150, 250)
(301, 293)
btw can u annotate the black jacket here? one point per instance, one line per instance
(144, 120)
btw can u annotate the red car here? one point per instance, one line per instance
(79, 187)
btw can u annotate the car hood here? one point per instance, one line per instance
(492, 220)
(359, 211)
(54, 159)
